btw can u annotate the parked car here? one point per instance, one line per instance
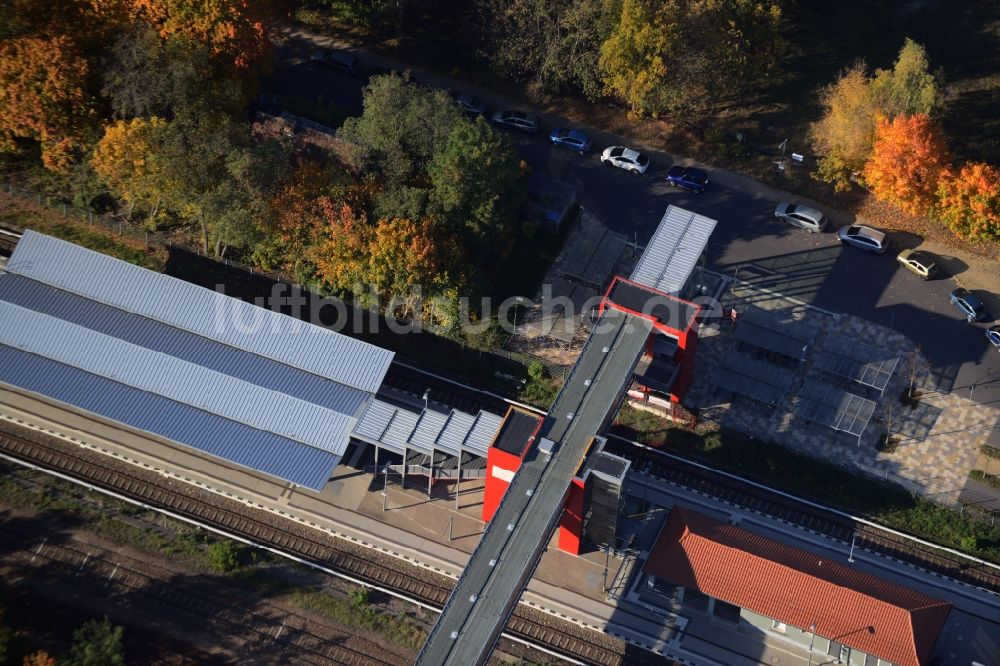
(968, 304)
(993, 335)
(336, 60)
(801, 216)
(519, 120)
(573, 139)
(863, 237)
(920, 263)
(625, 158)
(471, 105)
(689, 178)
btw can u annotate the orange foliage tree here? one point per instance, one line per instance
(43, 97)
(234, 30)
(969, 202)
(906, 162)
(40, 658)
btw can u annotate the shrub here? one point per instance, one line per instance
(225, 555)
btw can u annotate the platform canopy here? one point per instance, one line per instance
(674, 250)
(859, 363)
(753, 378)
(184, 363)
(764, 330)
(834, 407)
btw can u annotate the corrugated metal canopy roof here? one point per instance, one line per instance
(200, 311)
(396, 427)
(266, 452)
(186, 346)
(172, 378)
(674, 250)
(269, 392)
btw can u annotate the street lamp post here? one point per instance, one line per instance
(812, 637)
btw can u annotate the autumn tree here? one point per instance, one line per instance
(235, 31)
(669, 55)
(44, 98)
(908, 88)
(146, 75)
(633, 60)
(843, 136)
(126, 159)
(39, 658)
(844, 133)
(969, 201)
(906, 162)
(340, 253)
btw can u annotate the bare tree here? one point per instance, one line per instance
(914, 367)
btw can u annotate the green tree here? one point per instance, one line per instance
(908, 88)
(400, 127)
(97, 643)
(475, 178)
(146, 75)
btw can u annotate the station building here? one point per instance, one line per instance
(835, 611)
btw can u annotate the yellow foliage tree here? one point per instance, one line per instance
(125, 159)
(843, 135)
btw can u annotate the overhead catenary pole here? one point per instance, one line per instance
(458, 479)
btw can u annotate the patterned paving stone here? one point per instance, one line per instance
(938, 439)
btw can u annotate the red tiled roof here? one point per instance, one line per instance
(798, 588)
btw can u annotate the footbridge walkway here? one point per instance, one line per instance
(509, 549)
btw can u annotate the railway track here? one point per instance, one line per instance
(575, 643)
(126, 580)
(842, 528)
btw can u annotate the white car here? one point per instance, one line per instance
(801, 216)
(625, 158)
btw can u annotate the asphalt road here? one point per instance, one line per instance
(814, 268)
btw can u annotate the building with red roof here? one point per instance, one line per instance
(787, 590)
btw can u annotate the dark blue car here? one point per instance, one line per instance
(689, 178)
(574, 139)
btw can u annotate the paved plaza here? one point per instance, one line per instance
(937, 441)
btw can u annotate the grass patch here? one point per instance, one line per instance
(991, 480)
(774, 465)
(541, 388)
(990, 451)
(355, 611)
(24, 214)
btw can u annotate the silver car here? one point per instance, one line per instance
(862, 237)
(519, 120)
(801, 216)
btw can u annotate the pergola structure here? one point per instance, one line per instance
(834, 407)
(857, 363)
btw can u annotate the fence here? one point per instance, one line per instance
(964, 508)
